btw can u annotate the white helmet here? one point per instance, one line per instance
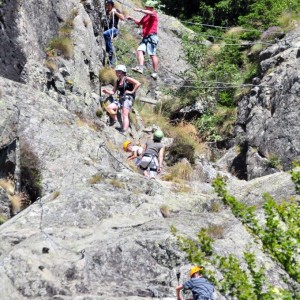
(120, 68)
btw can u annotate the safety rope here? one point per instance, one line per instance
(103, 145)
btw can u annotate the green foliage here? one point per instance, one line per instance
(240, 283)
(266, 13)
(274, 162)
(125, 48)
(181, 149)
(99, 113)
(280, 234)
(295, 174)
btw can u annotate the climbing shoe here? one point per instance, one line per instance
(137, 69)
(154, 75)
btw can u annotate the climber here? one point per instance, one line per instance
(135, 150)
(201, 288)
(149, 42)
(110, 25)
(152, 158)
(126, 88)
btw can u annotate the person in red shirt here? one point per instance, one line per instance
(149, 42)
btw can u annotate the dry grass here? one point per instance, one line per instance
(81, 122)
(63, 45)
(50, 63)
(257, 48)
(8, 185)
(16, 202)
(215, 207)
(216, 231)
(165, 211)
(117, 183)
(97, 178)
(55, 194)
(289, 21)
(234, 31)
(181, 188)
(181, 170)
(112, 146)
(107, 76)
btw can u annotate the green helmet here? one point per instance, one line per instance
(150, 3)
(158, 135)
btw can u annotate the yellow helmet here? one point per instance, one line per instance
(195, 269)
(125, 145)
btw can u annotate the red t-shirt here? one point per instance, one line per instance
(149, 24)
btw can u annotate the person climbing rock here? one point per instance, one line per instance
(201, 288)
(135, 150)
(152, 159)
(149, 42)
(126, 87)
(110, 25)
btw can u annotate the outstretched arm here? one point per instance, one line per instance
(145, 11)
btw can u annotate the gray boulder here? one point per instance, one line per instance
(268, 117)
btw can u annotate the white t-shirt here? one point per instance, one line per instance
(137, 149)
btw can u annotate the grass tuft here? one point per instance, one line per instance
(97, 178)
(55, 194)
(117, 183)
(63, 45)
(107, 76)
(8, 185)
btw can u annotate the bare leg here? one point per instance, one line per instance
(125, 118)
(140, 57)
(112, 109)
(154, 59)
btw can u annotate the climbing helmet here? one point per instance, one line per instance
(126, 144)
(150, 3)
(158, 135)
(195, 269)
(112, 2)
(120, 68)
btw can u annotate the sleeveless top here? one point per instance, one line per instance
(126, 86)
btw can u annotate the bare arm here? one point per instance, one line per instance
(132, 156)
(160, 159)
(178, 290)
(137, 22)
(136, 85)
(118, 14)
(144, 11)
(110, 92)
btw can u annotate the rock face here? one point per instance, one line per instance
(268, 117)
(97, 230)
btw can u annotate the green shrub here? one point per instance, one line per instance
(180, 149)
(31, 179)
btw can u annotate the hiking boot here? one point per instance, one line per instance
(137, 69)
(112, 123)
(154, 75)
